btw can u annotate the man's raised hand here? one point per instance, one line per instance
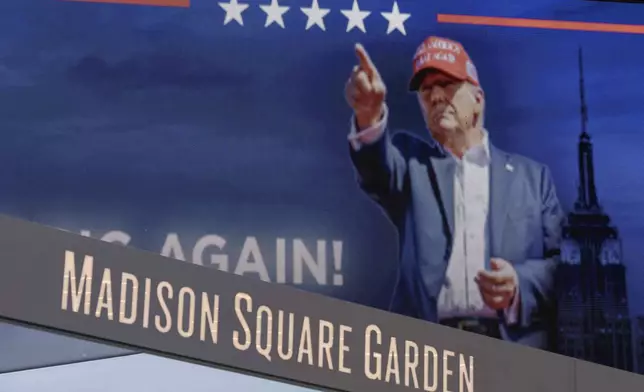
(365, 91)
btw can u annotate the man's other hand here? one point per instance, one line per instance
(365, 91)
(498, 286)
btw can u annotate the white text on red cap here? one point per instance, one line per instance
(437, 43)
(440, 56)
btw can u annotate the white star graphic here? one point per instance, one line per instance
(315, 15)
(274, 13)
(396, 19)
(355, 17)
(234, 11)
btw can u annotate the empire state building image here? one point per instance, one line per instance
(593, 316)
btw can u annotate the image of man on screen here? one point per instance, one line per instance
(478, 228)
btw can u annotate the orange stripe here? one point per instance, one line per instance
(540, 24)
(162, 3)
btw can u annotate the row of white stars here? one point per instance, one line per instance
(315, 15)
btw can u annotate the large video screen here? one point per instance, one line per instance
(473, 164)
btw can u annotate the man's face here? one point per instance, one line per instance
(449, 105)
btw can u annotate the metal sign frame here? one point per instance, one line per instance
(94, 290)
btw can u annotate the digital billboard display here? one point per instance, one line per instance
(470, 164)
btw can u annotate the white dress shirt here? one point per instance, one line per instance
(460, 295)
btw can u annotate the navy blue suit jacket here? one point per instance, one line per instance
(412, 180)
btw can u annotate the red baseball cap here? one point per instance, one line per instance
(444, 55)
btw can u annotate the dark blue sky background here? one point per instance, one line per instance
(155, 120)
